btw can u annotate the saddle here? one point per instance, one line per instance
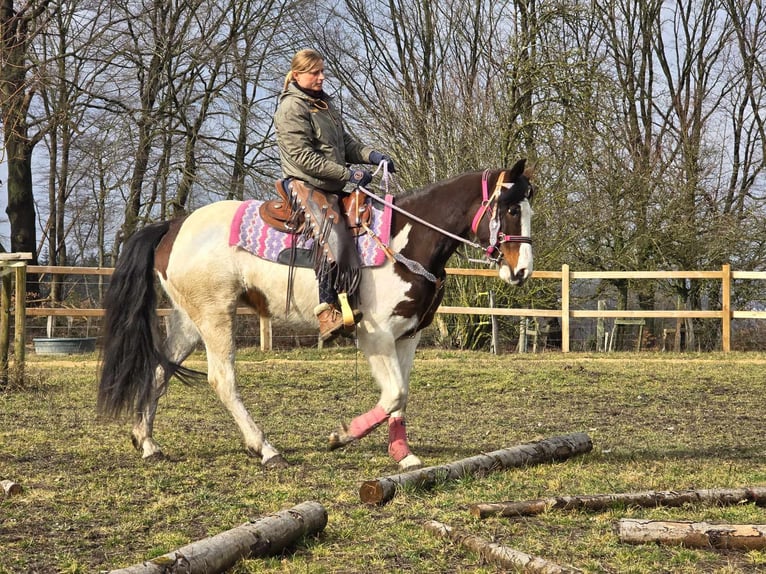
(281, 214)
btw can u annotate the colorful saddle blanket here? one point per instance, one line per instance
(251, 233)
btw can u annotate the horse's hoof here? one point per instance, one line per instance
(410, 462)
(276, 462)
(339, 439)
(157, 456)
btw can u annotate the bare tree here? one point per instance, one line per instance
(18, 28)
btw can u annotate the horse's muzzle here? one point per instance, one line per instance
(514, 277)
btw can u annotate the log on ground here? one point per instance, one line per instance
(647, 499)
(498, 554)
(10, 488)
(381, 490)
(264, 537)
(692, 534)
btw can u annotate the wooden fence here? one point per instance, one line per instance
(565, 314)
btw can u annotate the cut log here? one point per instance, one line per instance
(381, 490)
(264, 537)
(498, 554)
(692, 534)
(10, 488)
(647, 499)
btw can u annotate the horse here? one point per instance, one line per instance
(206, 279)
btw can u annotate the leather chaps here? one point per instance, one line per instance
(334, 248)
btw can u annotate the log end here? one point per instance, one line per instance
(476, 511)
(11, 488)
(371, 492)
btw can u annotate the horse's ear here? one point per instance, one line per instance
(517, 169)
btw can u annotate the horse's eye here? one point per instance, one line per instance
(514, 210)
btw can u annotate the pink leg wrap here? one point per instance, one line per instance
(397, 439)
(368, 422)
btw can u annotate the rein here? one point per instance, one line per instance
(496, 237)
(418, 219)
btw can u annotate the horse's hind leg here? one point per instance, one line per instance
(182, 337)
(218, 334)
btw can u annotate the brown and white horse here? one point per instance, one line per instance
(206, 279)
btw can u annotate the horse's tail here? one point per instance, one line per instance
(130, 354)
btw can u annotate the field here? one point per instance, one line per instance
(657, 421)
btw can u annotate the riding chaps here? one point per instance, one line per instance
(334, 251)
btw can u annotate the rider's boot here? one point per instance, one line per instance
(331, 321)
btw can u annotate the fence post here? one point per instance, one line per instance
(565, 308)
(265, 333)
(5, 323)
(726, 308)
(493, 321)
(522, 347)
(601, 342)
(20, 325)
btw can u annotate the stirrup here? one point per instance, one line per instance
(349, 319)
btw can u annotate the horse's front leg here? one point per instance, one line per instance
(398, 446)
(392, 376)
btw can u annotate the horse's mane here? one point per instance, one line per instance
(429, 187)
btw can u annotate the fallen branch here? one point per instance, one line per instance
(10, 488)
(264, 537)
(693, 534)
(381, 490)
(496, 553)
(648, 499)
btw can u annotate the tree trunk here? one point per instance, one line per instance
(381, 490)
(648, 499)
(21, 205)
(693, 534)
(14, 102)
(264, 537)
(496, 553)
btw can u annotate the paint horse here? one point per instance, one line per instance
(206, 279)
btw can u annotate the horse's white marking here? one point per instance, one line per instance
(525, 249)
(525, 263)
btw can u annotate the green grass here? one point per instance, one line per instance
(658, 421)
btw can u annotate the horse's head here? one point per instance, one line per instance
(508, 233)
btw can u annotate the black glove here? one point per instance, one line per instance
(360, 177)
(376, 157)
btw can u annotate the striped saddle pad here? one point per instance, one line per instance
(251, 233)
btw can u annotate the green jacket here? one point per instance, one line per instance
(313, 146)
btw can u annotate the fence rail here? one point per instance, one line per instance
(565, 314)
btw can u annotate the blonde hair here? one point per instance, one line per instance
(304, 61)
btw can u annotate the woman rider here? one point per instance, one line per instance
(314, 151)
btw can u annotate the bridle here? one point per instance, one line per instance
(496, 237)
(489, 203)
